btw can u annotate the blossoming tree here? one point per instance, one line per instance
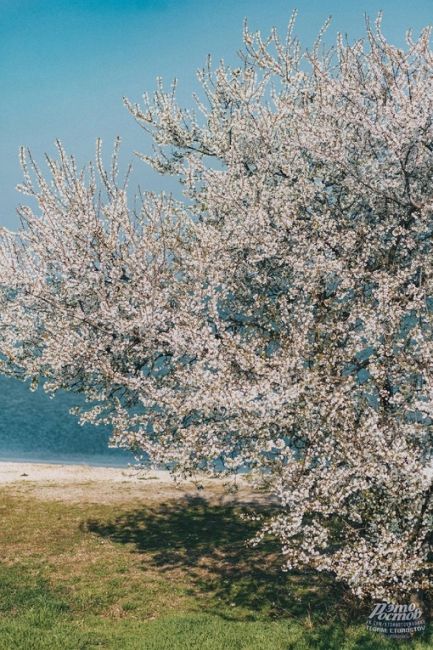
(277, 318)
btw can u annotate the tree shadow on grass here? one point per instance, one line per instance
(209, 542)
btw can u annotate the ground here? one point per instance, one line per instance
(97, 558)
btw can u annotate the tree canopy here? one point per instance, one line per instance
(278, 317)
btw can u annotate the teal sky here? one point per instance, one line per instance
(64, 66)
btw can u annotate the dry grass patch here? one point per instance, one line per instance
(155, 574)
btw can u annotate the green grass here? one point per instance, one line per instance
(175, 575)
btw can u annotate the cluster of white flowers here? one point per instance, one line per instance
(280, 316)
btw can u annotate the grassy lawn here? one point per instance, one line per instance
(168, 576)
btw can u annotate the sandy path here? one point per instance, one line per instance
(11, 472)
(84, 483)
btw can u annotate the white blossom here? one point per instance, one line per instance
(279, 316)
